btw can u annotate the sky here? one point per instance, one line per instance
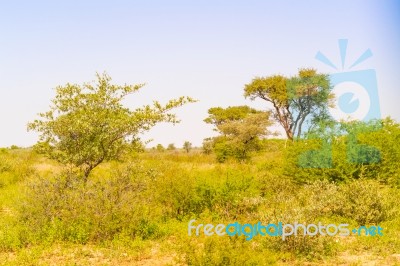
(207, 50)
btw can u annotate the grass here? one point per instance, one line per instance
(136, 212)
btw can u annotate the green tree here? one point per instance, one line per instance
(294, 99)
(160, 148)
(241, 128)
(87, 124)
(219, 116)
(187, 146)
(208, 145)
(171, 147)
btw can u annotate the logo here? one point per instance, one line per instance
(356, 98)
(356, 92)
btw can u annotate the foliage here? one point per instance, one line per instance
(241, 128)
(294, 99)
(87, 124)
(227, 251)
(67, 209)
(218, 115)
(160, 148)
(171, 147)
(345, 151)
(187, 146)
(208, 145)
(14, 167)
(363, 201)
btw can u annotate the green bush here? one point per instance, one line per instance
(226, 251)
(66, 208)
(175, 190)
(364, 201)
(11, 233)
(367, 150)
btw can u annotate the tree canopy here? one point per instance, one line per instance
(240, 128)
(219, 115)
(187, 146)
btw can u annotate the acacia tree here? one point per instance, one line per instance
(240, 128)
(219, 116)
(187, 146)
(294, 99)
(171, 147)
(87, 124)
(160, 148)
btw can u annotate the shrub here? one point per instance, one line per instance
(367, 150)
(65, 208)
(175, 191)
(226, 251)
(208, 145)
(11, 233)
(363, 201)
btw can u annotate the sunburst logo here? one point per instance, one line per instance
(356, 92)
(356, 96)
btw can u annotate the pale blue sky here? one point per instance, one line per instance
(207, 50)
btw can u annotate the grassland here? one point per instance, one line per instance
(136, 212)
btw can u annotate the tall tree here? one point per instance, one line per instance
(87, 124)
(187, 146)
(294, 99)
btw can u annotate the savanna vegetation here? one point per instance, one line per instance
(89, 193)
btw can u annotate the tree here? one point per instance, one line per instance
(294, 99)
(87, 124)
(160, 148)
(187, 146)
(171, 147)
(241, 128)
(208, 145)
